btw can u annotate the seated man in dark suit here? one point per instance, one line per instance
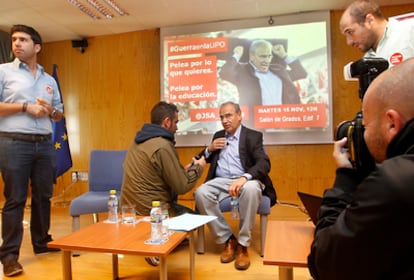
(239, 168)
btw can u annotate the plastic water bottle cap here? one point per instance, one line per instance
(155, 203)
(112, 192)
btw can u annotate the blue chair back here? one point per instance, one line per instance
(106, 169)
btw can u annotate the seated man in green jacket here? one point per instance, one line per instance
(152, 169)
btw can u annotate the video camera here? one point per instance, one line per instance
(366, 70)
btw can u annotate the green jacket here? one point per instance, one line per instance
(152, 171)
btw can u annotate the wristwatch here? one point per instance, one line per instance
(54, 113)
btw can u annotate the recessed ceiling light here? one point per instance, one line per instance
(89, 6)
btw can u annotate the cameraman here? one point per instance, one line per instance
(366, 29)
(365, 229)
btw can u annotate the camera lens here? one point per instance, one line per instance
(342, 130)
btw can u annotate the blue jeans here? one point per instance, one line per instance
(22, 162)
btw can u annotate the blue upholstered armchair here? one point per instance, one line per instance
(105, 173)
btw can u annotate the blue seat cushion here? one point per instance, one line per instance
(89, 202)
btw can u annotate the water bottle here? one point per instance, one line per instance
(234, 202)
(156, 222)
(112, 207)
(165, 220)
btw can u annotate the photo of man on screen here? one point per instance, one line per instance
(267, 78)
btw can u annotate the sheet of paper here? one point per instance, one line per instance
(188, 222)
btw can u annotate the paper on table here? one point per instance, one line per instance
(188, 222)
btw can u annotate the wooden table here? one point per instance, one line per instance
(287, 245)
(120, 239)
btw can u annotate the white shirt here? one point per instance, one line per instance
(17, 85)
(397, 44)
(271, 86)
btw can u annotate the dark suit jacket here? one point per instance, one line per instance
(248, 85)
(253, 158)
(242, 75)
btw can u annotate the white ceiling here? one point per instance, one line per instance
(58, 20)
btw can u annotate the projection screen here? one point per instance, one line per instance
(204, 65)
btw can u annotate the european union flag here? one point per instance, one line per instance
(60, 138)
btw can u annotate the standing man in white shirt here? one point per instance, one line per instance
(366, 29)
(29, 102)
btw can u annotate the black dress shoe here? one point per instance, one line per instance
(154, 261)
(45, 250)
(11, 268)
